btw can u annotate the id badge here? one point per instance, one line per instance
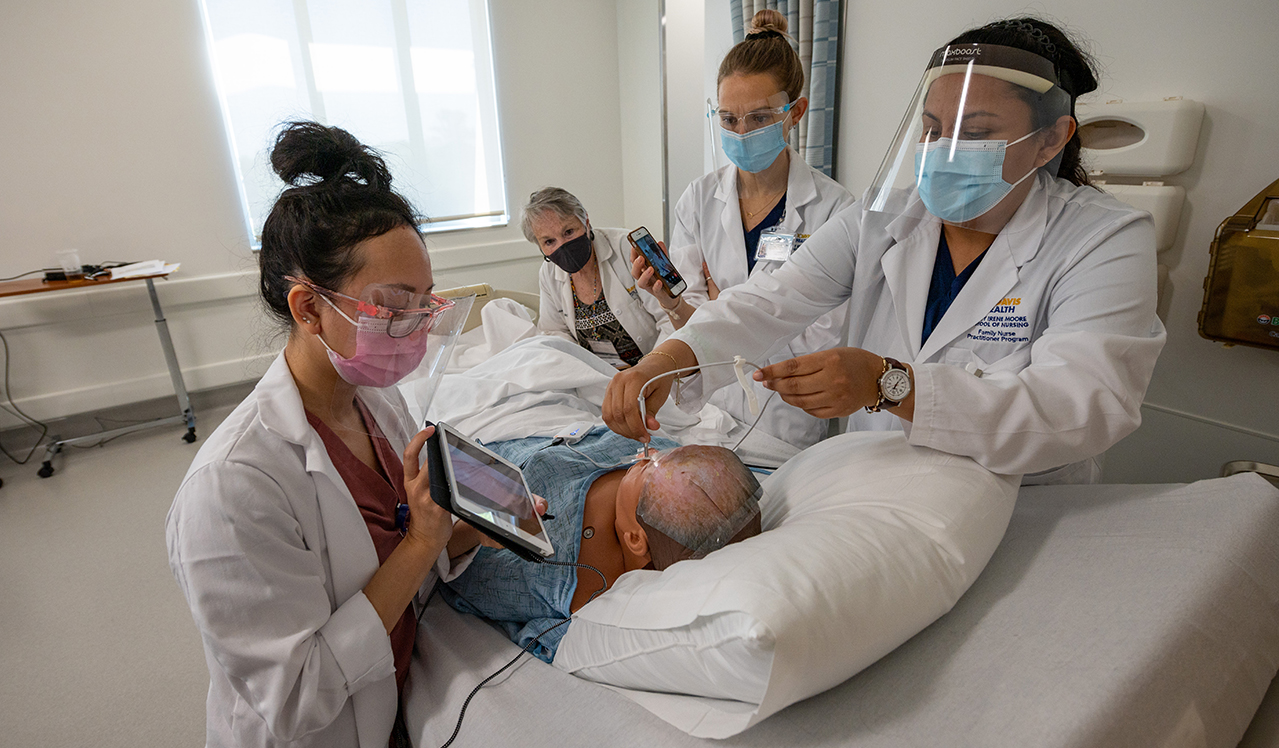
(775, 246)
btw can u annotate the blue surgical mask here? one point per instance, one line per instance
(961, 186)
(756, 150)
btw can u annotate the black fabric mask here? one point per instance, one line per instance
(573, 254)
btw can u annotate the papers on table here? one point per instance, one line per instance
(142, 269)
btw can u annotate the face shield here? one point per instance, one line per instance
(971, 133)
(401, 339)
(749, 134)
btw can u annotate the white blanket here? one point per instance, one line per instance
(504, 381)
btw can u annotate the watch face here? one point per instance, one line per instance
(895, 385)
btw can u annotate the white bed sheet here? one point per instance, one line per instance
(1109, 616)
(504, 381)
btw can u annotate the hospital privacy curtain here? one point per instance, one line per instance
(815, 24)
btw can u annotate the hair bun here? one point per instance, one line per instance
(308, 152)
(767, 20)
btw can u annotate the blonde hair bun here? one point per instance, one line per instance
(768, 20)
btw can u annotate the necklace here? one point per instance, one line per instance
(595, 285)
(768, 204)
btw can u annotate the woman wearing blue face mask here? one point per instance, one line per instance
(1001, 307)
(766, 188)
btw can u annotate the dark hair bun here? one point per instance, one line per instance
(765, 21)
(308, 152)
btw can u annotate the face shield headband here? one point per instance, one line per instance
(938, 113)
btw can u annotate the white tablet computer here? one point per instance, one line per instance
(486, 491)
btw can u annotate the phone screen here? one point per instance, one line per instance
(658, 259)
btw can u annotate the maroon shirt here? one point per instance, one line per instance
(376, 494)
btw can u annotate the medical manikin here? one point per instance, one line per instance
(676, 503)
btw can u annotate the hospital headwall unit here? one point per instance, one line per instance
(1130, 148)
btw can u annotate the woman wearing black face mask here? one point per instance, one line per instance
(588, 295)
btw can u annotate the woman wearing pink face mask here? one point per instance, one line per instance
(288, 535)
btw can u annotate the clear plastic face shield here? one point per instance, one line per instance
(973, 131)
(398, 338)
(748, 133)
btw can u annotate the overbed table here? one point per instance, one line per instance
(186, 414)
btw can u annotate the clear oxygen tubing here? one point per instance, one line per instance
(738, 362)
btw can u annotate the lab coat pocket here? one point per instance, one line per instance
(989, 357)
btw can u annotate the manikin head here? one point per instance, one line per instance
(684, 504)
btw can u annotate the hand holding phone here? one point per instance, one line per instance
(657, 259)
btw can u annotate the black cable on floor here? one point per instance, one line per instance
(18, 412)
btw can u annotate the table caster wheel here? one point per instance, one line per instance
(189, 436)
(45, 470)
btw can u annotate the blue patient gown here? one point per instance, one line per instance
(526, 598)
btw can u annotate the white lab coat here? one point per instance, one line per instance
(272, 555)
(708, 228)
(1041, 362)
(640, 313)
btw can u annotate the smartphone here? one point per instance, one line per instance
(662, 264)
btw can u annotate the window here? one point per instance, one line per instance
(412, 78)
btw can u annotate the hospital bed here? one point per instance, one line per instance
(484, 293)
(1109, 615)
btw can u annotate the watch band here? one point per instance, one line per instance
(883, 401)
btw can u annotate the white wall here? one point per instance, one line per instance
(1223, 54)
(685, 96)
(640, 99)
(113, 144)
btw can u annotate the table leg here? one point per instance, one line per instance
(171, 358)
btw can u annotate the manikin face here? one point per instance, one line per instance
(692, 491)
(625, 523)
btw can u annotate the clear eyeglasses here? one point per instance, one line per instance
(403, 311)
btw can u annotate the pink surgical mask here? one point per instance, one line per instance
(379, 360)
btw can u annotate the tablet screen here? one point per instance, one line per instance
(492, 489)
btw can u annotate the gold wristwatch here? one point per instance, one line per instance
(894, 386)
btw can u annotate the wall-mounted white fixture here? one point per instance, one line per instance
(1140, 139)
(1141, 143)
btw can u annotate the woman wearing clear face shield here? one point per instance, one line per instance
(766, 191)
(1000, 307)
(304, 531)
(587, 293)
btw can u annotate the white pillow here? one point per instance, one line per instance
(867, 541)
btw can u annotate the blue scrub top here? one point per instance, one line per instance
(945, 286)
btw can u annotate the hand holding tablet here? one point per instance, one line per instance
(486, 491)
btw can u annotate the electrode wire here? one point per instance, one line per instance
(526, 648)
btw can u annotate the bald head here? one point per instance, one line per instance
(694, 500)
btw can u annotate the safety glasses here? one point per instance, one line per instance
(403, 311)
(748, 121)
